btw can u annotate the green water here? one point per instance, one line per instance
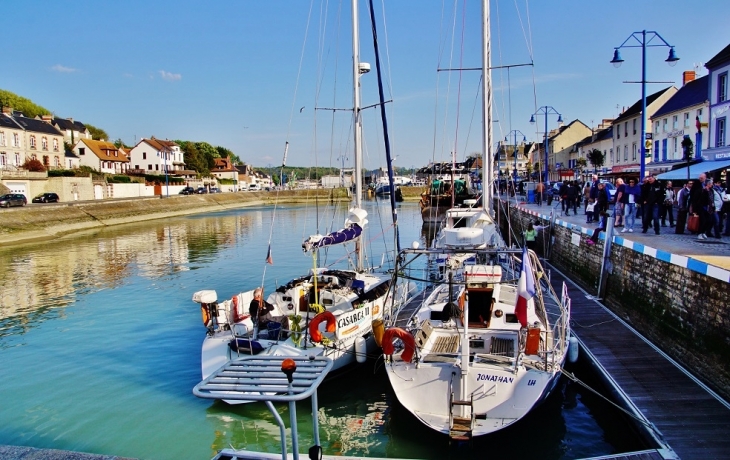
(100, 349)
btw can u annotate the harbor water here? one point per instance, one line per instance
(100, 348)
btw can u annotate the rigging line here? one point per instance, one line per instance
(288, 128)
(528, 36)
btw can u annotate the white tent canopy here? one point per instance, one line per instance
(694, 170)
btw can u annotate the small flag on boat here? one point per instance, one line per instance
(269, 259)
(525, 289)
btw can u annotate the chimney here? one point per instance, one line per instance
(688, 76)
(47, 118)
(71, 120)
(8, 110)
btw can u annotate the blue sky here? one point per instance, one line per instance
(244, 74)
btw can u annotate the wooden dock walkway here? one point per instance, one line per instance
(687, 416)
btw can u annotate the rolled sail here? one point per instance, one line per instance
(340, 236)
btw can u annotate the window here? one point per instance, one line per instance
(55, 145)
(656, 127)
(699, 114)
(2, 138)
(82, 151)
(610, 153)
(626, 128)
(3, 159)
(626, 153)
(674, 148)
(633, 154)
(56, 162)
(149, 167)
(720, 127)
(664, 125)
(686, 119)
(136, 166)
(675, 124)
(46, 161)
(44, 143)
(16, 140)
(32, 142)
(722, 87)
(634, 126)
(17, 159)
(144, 156)
(157, 167)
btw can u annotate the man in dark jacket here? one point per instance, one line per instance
(696, 198)
(652, 196)
(563, 191)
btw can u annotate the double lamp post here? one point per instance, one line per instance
(546, 110)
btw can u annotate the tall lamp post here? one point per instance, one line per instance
(515, 132)
(643, 40)
(546, 110)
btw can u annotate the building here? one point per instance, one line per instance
(73, 131)
(601, 140)
(101, 156)
(678, 118)
(12, 151)
(155, 156)
(627, 133)
(719, 67)
(561, 143)
(35, 139)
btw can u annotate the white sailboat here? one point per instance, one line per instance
(486, 342)
(330, 313)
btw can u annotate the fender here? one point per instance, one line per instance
(397, 333)
(314, 325)
(206, 315)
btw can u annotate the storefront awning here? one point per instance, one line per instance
(694, 170)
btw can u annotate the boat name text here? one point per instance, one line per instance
(494, 378)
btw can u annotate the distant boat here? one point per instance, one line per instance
(382, 187)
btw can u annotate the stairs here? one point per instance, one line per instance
(461, 428)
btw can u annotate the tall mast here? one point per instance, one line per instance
(357, 126)
(487, 157)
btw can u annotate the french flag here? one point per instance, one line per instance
(525, 289)
(269, 259)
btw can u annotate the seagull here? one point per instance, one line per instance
(300, 110)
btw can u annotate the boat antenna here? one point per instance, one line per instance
(386, 138)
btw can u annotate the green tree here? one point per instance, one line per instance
(21, 104)
(97, 134)
(596, 158)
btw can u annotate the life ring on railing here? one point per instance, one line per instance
(314, 325)
(206, 314)
(408, 340)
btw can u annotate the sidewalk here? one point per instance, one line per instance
(710, 256)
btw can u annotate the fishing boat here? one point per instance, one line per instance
(325, 313)
(445, 191)
(485, 342)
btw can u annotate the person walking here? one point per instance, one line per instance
(620, 205)
(682, 208)
(573, 194)
(695, 200)
(594, 193)
(601, 200)
(586, 195)
(668, 205)
(707, 211)
(563, 192)
(652, 196)
(539, 190)
(631, 196)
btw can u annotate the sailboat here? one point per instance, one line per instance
(486, 341)
(323, 313)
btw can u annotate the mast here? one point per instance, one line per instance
(357, 126)
(487, 158)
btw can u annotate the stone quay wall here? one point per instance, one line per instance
(684, 312)
(43, 222)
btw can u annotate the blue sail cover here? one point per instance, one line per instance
(340, 236)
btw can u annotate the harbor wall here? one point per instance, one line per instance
(43, 222)
(681, 310)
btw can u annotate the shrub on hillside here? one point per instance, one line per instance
(34, 165)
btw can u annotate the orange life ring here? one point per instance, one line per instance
(410, 343)
(206, 315)
(314, 325)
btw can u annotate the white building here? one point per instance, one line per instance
(155, 156)
(102, 156)
(719, 96)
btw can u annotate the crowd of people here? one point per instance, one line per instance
(701, 205)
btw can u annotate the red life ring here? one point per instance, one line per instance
(206, 315)
(408, 340)
(314, 325)
(235, 308)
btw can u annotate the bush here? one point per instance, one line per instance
(34, 165)
(119, 180)
(62, 173)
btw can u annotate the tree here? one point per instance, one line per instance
(528, 169)
(596, 158)
(34, 165)
(687, 148)
(21, 104)
(97, 134)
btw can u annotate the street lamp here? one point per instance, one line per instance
(643, 39)
(546, 110)
(524, 139)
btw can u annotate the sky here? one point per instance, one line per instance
(254, 75)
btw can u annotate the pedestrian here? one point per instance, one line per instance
(602, 223)
(668, 205)
(716, 208)
(563, 192)
(589, 210)
(630, 199)
(594, 191)
(601, 200)
(682, 208)
(652, 196)
(573, 195)
(695, 201)
(539, 190)
(620, 205)
(586, 195)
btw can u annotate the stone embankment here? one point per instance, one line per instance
(43, 222)
(682, 311)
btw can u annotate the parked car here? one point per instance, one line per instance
(48, 197)
(215, 190)
(13, 199)
(201, 190)
(187, 191)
